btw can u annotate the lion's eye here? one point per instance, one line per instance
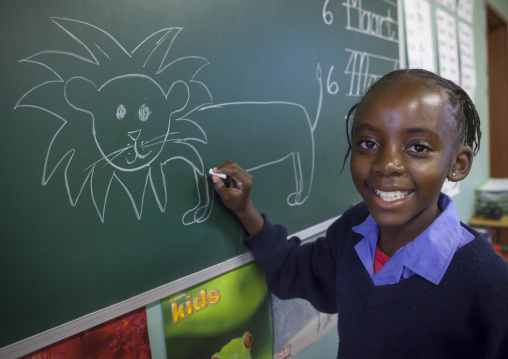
(144, 112)
(120, 111)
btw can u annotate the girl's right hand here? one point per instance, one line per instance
(236, 196)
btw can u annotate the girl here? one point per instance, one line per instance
(407, 278)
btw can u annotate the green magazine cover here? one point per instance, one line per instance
(227, 317)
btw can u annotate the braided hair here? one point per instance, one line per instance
(468, 121)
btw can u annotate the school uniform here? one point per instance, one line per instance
(444, 295)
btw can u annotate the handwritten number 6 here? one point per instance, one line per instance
(332, 87)
(327, 15)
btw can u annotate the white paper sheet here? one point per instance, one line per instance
(465, 9)
(449, 4)
(419, 42)
(467, 61)
(447, 46)
(451, 188)
(495, 185)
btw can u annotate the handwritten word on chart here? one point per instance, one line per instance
(363, 68)
(364, 21)
(360, 70)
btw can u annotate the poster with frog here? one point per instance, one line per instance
(227, 317)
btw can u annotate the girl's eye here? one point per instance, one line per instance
(418, 148)
(368, 145)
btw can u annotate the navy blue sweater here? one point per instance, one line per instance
(465, 316)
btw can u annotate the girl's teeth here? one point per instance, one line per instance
(392, 196)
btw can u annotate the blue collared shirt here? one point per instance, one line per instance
(428, 255)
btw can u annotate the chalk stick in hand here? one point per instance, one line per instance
(221, 175)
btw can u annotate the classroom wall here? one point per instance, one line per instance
(327, 346)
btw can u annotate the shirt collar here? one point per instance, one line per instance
(428, 255)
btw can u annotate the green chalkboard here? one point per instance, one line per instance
(113, 111)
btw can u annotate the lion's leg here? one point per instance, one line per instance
(295, 197)
(202, 209)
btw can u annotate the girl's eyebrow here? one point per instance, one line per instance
(422, 130)
(365, 126)
(408, 131)
(411, 130)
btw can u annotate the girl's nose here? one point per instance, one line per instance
(390, 162)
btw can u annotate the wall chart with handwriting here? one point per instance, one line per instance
(112, 112)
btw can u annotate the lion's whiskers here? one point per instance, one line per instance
(118, 153)
(110, 157)
(152, 143)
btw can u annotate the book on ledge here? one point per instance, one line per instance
(491, 198)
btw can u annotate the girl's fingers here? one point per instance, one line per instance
(234, 191)
(236, 195)
(237, 175)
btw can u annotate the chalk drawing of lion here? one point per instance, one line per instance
(125, 115)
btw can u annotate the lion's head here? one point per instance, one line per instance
(117, 110)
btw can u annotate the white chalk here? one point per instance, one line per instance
(221, 175)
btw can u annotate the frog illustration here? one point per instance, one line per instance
(238, 348)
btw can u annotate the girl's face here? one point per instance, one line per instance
(402, 151)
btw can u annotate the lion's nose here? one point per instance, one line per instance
(134, 135)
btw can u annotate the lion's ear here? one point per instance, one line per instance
(81, 94)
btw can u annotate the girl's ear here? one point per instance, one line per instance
(462, 165)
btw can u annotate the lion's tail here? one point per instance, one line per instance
(320, 102)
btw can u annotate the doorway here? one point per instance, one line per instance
(497, 62)
(497, 44)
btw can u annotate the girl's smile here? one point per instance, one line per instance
(404, 147)
(392, 195)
